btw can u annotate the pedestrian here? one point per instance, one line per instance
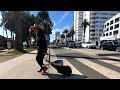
(42, 46)
(9, 46)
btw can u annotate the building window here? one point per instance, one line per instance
(100, 30)
(111, 14)
(115, 32)
(111, 22)
(106, 34)
(104, 13)
(96, 21)
(111, 27)
(93, 30)
(117, 19)
(110, 33)
(107, 24)
(103, 17)
(116, 26)
(103, 34)
(96, 17)
(107, 29)
(93, 26)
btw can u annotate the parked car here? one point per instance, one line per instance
(72, 44)
(78, 44)
(61, 44)
(88, 45)
(110, 45)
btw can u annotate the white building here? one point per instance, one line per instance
(111, 29)
(57, 35)
(96, 20)
(78, 18)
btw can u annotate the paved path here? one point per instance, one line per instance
(25, 67)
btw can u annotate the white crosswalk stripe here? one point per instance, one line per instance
(101, 69)
(115, 63)
(75, 73)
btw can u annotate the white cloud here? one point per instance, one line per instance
(60, 29)
(64, 16)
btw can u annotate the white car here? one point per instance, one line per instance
(88, 45)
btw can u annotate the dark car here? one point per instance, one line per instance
(110, 45)
(78, 44)
(72, 44)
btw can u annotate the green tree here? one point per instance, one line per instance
(18, 31)
(65, 32)
(43, 18)
(72, 32)
(62, 36)
(3, 41)
(84, 24)
(26, 21)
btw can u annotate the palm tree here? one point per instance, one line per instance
(18, 31)
(62, 36)
(65, 31)
(84, 24)
(72, 32)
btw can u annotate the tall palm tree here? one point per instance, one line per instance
(72, 32)
(65, 32)
(18, 31)
(62, 36)
(84, 24)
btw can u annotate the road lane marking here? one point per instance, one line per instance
(101, 69)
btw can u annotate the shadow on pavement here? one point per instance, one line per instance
(32, 53)
(59, 76)
(109, 54)
(93, 58)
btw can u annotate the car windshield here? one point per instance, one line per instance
(116, 43)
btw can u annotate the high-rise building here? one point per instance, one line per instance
(57, 35)
(78, 18)
(111, 29)
(96, 20)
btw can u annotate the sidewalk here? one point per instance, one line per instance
(25, 67)
(97, 52)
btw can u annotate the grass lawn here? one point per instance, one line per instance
(18, 53)
(13, 54)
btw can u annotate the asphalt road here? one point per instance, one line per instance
(77, 59)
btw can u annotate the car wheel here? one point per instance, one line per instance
(118, 49)
(102, 48)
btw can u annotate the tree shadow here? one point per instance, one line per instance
(59, 76)
(109, 54)
(32, 53)
(93, 58)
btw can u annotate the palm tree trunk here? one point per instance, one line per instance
(6, 34)
(18, 31)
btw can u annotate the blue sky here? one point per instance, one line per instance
(61, 20)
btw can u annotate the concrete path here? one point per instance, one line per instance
(25, 67)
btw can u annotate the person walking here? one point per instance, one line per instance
(42, 46)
